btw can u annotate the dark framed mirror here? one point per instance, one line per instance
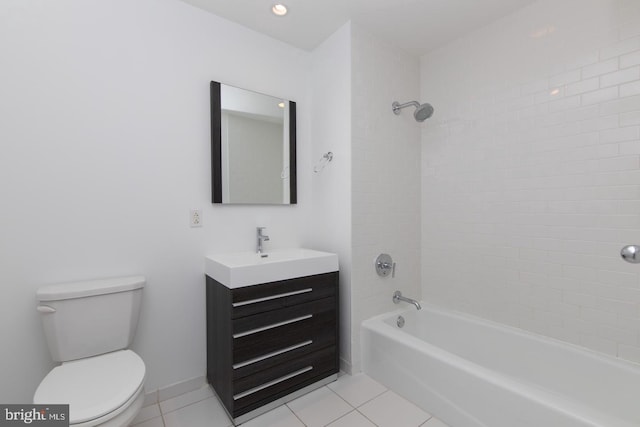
(253, 147)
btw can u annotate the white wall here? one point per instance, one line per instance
(105, 140)
(329, 227)
(367, 200)
(531, 172)
(385, 177)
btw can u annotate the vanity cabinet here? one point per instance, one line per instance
(267, 341)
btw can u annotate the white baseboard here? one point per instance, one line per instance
(173, 390)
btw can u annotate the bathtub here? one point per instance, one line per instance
(471, 372)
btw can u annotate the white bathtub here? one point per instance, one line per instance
(474, 373)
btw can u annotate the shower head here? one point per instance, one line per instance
(422, 113)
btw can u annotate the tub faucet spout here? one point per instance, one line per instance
(397, 297)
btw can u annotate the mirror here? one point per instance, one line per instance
(253, 147)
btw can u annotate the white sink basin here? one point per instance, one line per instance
(248, 268)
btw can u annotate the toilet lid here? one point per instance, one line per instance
(93, 387)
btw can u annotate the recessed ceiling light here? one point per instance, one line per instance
(279, 9)
(281, 105)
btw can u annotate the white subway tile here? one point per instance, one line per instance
(617, 278)
(565, 78)
(620, 48)
(564, 104)
(630, 89)
(627, 178)
(619, 335)
(564, 309)
(618, 307)
(619, 77)
(580, 326)
(584, 60)
(629, 147)
(599, 316)
(549, 317)
(504, 93)
(520, 102)
(629, 29)
(618, 164)
(574, 272)
(548, 95)
(534, 86)
(622, 105)
(600, 68)
(603, 207)
(582, 86)
(630, 59)
(564, 129)
(608, 122)
(546, 120)
(589, 112)
(599, 96)
(578, 299)
(629, 352)
(629, 323)
(628, 207)
(630, 119)
(620, 134)
(530, 112)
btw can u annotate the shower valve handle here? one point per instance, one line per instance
(384, 265)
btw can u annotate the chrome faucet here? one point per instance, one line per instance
(261, 238)
(397, 297)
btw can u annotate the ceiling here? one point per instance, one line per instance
(416, 26)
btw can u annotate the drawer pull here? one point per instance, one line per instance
(272, 354)
(272, 326)
(271, 383)
(271, 297)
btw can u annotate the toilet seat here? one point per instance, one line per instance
(94, 387)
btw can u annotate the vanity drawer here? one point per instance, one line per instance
(256, 390)
(250, 300)
(317, 326)
(278, 357)
(268, 320)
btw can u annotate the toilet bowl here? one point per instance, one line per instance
(99, 389)
(88, 326)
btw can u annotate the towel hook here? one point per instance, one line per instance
(323, 162)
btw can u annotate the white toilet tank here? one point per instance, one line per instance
(84, 319)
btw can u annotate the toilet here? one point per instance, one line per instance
(88, 327)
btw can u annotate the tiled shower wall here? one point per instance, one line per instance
(385, 178)
(531, 173)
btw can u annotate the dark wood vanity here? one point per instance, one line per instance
(265, 342)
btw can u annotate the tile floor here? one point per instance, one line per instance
(351, 401)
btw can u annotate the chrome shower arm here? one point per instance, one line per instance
(422, 113)
(397, 106)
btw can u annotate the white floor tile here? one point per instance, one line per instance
(357, 389)
(206, 413)
(147, 413)
(153, 422)
(391, 410)
(279, 417)
(186, 399)
(319, 408)
(352, 419)
(434, 422)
